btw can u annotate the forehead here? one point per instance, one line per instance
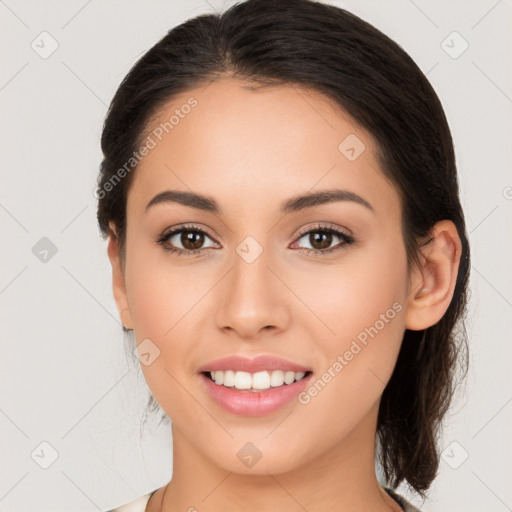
(243, 145)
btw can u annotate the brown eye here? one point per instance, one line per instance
(321, 238)
(190, 239)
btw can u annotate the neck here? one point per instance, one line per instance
(341, 479)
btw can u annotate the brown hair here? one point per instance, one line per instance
(351, 62)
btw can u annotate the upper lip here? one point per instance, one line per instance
(256, 364)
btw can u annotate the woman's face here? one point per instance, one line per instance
(259, 285)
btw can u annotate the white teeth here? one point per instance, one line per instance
(289, 377)
(229, 378)
(261, 380)
(255, 381)
(243, 380)
(277, 378)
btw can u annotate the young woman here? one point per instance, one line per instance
(280, 198)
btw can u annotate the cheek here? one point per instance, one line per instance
(376, 293)
(167, 296)
(161, 291)
(162, 300)
(361, 304)
(366, 289)
(162, 308)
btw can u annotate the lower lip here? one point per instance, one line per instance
(253, 403)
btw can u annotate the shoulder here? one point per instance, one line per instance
(408, 507)
(136, 505)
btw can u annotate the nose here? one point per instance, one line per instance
(252, 300)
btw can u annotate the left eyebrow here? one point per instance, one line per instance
(312, 199)
(294, 204)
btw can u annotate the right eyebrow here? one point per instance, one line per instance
(191, 199)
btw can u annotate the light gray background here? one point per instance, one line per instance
(65, 379)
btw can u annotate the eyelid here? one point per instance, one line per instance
(186, 227)
(322, 225)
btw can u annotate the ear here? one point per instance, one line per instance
(432, 284)
(118, 283)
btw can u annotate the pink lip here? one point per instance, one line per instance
(257, 364)
(253, 403)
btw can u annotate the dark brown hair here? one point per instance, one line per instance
(334, 52)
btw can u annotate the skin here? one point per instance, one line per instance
(251, 149)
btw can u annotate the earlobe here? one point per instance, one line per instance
(433, 284)
(118, 281)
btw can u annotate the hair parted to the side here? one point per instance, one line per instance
(330, 50)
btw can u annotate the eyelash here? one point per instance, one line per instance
(346, 239)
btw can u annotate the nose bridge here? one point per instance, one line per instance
(250, 279)
(251, 298)
(250, 265)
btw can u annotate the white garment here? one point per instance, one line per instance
(137, 505)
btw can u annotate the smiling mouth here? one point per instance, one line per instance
(255, 382)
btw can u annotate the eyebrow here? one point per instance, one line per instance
(294, 204)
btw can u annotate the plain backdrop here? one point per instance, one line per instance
(71, 402)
